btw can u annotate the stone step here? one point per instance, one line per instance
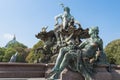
(22, 67)
(22, 79)
(25, 71)
(22, 74)
(22, 70)
(13, 68)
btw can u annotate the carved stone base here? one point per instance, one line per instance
(116, 74)
(100, 75)
(69, 75)
(24, 70)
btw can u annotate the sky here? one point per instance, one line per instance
(25, 18)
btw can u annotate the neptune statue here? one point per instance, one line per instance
(65, 44)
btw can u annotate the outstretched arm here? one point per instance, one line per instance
(57, 17)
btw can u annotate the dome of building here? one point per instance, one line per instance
(13, 41)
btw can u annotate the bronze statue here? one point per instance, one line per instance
(65, 42)
(86, 54)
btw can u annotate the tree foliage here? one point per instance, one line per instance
(33, 56)
(7, 52)
(23, 53)
(2, 53)
(113, 51)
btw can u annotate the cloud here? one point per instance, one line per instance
(8, 36)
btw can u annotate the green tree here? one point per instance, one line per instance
(2, 53)
(22, 54)
(12, 48)
(8, 53)
(32, 56)
(113, 51)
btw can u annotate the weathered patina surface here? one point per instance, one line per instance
(73, 53)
